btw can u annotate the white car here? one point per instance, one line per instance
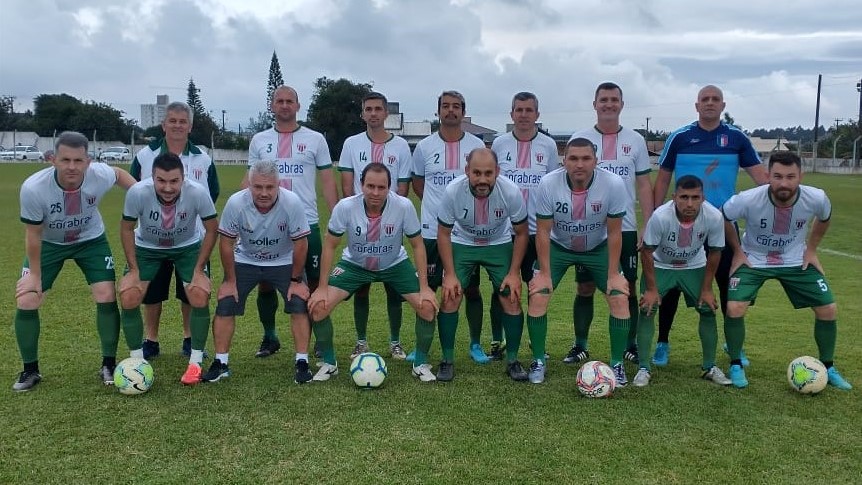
(22, 152)
(115, 154)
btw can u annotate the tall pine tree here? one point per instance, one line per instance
(275, 79)
(204, 129)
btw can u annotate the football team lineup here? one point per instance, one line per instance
(579, 215)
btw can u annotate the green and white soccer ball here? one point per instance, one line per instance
(133, 376)
(807, 375)
(368, 370)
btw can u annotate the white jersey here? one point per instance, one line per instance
(264, 239)
(67, 217)
(168, 226)
(374, 243)
(678, 245)
(580, 217)
(625, 154)
(482, 221)
(775, 236)
(439, 162)
(359, 151)
(525, 163)
(197, 165)
(299, 155)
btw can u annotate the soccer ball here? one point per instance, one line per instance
(368, 370)
(133, 376)
(596, 379)
(807, 375)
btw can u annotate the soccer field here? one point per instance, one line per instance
(258, 426)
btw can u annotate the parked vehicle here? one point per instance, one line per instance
(115, 154)
(21, 152)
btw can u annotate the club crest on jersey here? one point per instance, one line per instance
(596, 206)
(733, 283)
(198, 173)
(182, 215)
(723, 140)
(800, 223)
(391, 159)
(300, 147)
(627, 148)
(540, 157)
(282, 226)
(499, 212)
(91, 200)
(700, 236)
(389, 229)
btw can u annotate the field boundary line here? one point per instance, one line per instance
(839, 253)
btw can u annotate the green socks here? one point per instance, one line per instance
(108, 326)
(393, 309)
(133, 328)
(199, 324)
(496, 314)
(27, 334)
(474, 310)
(825, 333)
(360, 316)
(619, 329)
(582, 312)
(734, 334)
(537, 329)
(267, 305)
(424, 337)
(645, 329)
(447, 324)
(708, 331)
(514, 325)
(323, 335)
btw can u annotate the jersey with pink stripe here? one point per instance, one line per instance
(775, 236)
(525, 163)
(679, 246)
(66, 217)
(439, 162)
(482, 221)
(625, 154)
(374, 243)
(298, 154)
(167, 226)
(580, 217)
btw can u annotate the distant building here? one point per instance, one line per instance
(153, 114)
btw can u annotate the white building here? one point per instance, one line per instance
(153, 114)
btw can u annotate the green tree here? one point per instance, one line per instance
(335, 110)
(63, 112)
(204, 128)
(275, 80)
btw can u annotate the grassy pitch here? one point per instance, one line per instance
(259, 426)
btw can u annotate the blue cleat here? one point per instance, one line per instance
(478, 355)
(836, 380)
(662, 354)
(411, 356)
(742, 357)
(737, 376)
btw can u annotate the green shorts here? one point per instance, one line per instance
(315, 249)
(689, 281)
(495, 259)
(805, 289)
(435, 266)
(349, 277)
(594, 261)
(185, 259)
(92, 256)
(628, 260)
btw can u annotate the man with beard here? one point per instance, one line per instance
(777, 218)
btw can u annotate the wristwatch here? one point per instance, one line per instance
(297, 279)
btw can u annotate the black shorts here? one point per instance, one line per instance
(248, 276)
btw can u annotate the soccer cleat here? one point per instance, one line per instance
(186, 348)
(576, 354)
(423, 373)
(445, 371)
(360, 348)
(516, 371)
(397, 351)
(620, 374)
(537, 372)
(150, 348)
(631, 355)
(836, 380)
(216, 371)
(26, 381)
(411, 356)
(498, 350)
(192, 375)
(106, 374)
(715, 375)
(642, 378)
(478, 355)
(325, 372)
(737, 376)
(662, 354)
(302, 374)
(267, 347)
(742, 357)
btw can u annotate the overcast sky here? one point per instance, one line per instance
(765, 55)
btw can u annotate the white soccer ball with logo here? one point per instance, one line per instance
(596, 379)
(133, 376)
(368, 370)
(807, 375)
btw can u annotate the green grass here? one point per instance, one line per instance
(258, 426)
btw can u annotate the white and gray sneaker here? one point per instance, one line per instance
(423, 373)
(397, 351)
(360, 348)
(537, 372)
(642, 377)
(715, 375)
(325, 372)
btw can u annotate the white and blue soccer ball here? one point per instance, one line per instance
(368, 370)
(133, 376)
(807, 375)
